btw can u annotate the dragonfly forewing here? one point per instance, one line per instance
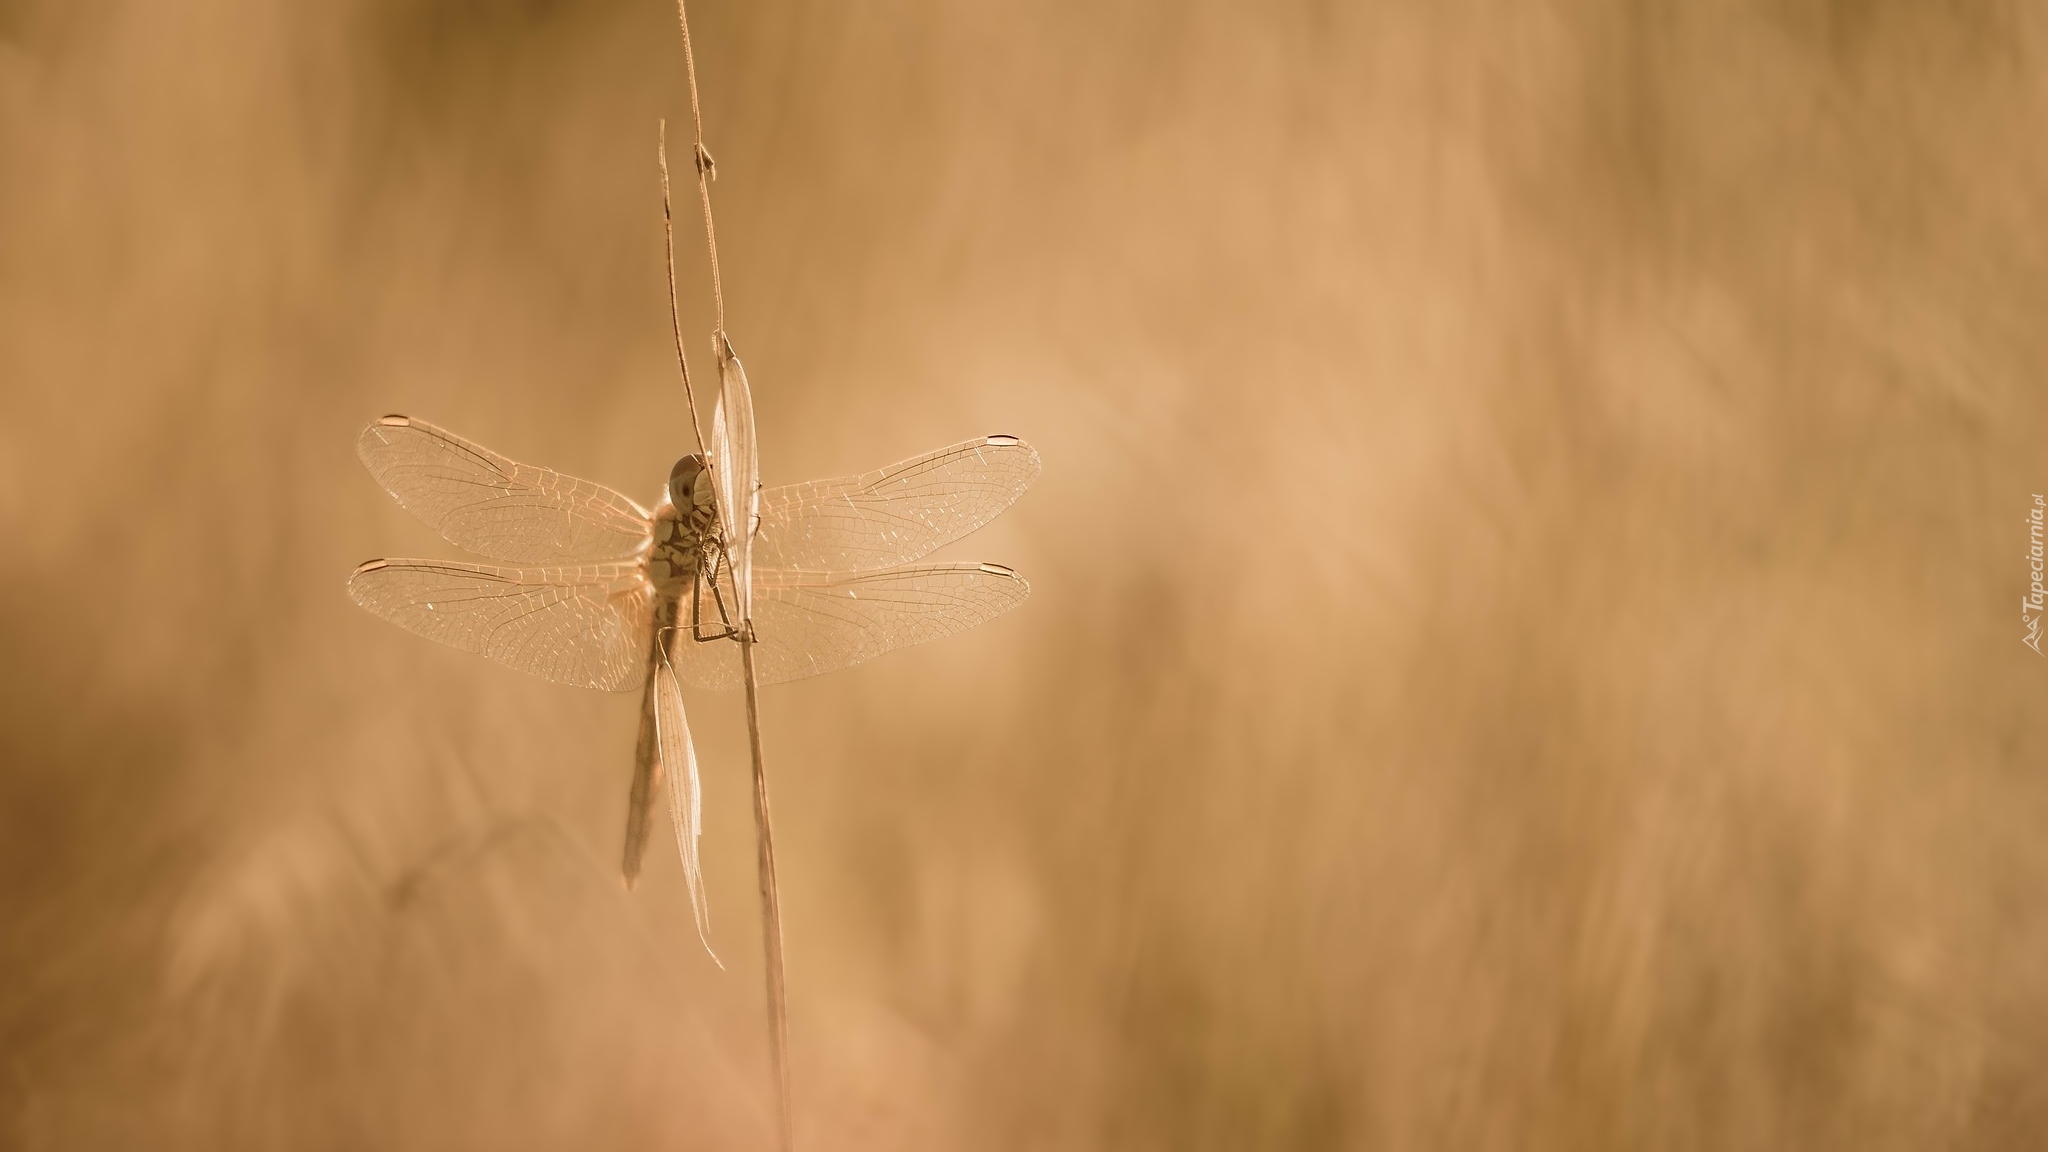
(892, 515)
(495, 506)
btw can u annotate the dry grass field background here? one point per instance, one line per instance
(1524, 649)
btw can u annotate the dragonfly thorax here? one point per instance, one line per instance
(684, 526)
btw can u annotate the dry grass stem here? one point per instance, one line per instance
(771, 903)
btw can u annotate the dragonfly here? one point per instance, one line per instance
(600, 592)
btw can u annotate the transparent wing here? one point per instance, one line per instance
(892, 515)
(736, 469)
(646, 752)
(586, 626)
(808, 624)
(685, 805)
(497, 507)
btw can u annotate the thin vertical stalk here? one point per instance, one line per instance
(771, 901)
(707, 171)
(764, 832)
(675, 312)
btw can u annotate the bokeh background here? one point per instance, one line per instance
(1524, 649)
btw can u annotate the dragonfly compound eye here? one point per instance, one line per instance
(685, 479)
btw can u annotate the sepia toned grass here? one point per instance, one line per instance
(735, 452)
(1523, 651)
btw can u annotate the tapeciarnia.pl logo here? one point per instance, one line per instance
(2037, 598)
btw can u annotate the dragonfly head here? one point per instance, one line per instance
(689, 484)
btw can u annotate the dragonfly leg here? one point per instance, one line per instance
(697, 606)
(744, 630)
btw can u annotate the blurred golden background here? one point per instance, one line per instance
(1523, 650)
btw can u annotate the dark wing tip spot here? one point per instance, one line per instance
(1003, 440)
(991, 569)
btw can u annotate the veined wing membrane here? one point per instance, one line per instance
(892, 515)
(736, 470)
(586, 625)
(685, 791)
(810, 623)
(495, 506)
